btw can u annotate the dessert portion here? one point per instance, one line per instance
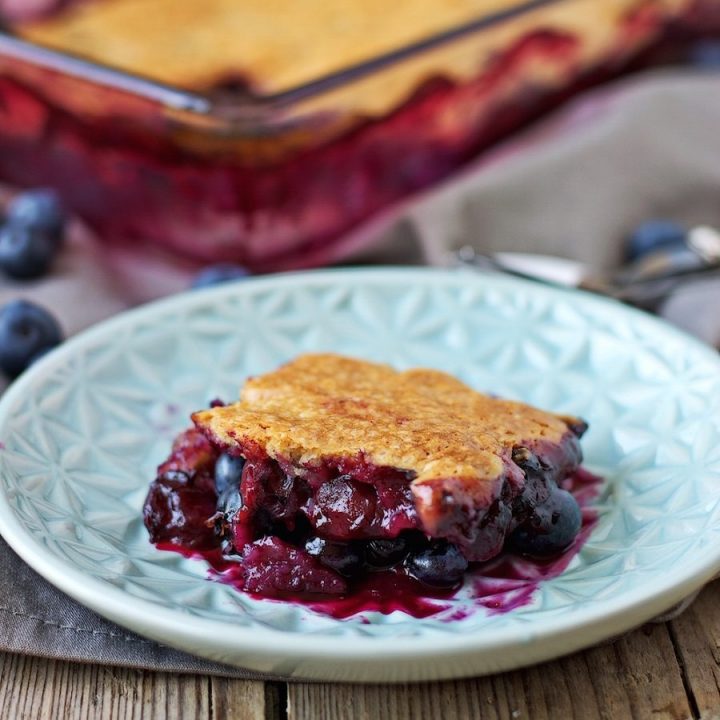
(331, 473)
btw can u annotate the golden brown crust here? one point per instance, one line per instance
(320, 407)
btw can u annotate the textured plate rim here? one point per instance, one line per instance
(579, 628)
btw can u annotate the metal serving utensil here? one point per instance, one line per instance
(645, 283)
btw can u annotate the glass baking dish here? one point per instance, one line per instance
(274, 181)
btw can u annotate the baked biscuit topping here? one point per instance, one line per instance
(455, 443)
(276, 45)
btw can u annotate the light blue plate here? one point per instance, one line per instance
(84, 429)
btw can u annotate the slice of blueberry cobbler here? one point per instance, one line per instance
(330, 469)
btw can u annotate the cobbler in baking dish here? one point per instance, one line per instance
(333, 475)
(278, 152)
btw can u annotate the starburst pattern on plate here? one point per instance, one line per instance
(82, 441)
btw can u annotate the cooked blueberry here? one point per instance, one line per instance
(26, 330)
(26, 252)
(39, 210)
(217, 274)
(550, 528)
(228, 471)
(229, 501)
(344, 558)
(381, 554)
(654, 235)
(441, 565)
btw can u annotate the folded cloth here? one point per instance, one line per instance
(572, 186)
(577, 184)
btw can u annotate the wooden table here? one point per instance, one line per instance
(669, 670)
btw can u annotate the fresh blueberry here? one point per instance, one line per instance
(550, 528)
(217, 274)
(441, 565)
(344, 558)
(654, 235)
(25, 252)
(39, 210)
(26, 330)
(382, 554)
(706, 55)
(228, 471)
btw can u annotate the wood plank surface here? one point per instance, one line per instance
(637, 676)
(35, 688)
(242, 700)
(696, 635)
(668, 671)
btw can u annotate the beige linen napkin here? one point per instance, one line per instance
(572, 186)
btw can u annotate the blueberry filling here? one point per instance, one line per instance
(323, 530)
(384, 554)
(177, 509)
